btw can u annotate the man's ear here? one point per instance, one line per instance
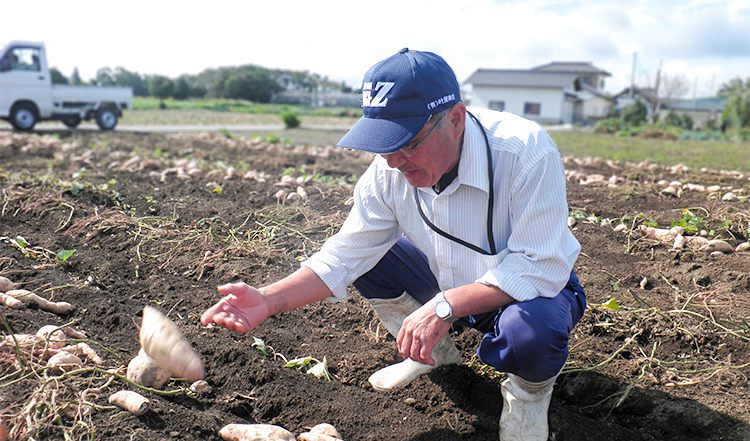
(457, 118)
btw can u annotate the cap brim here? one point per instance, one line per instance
(382, 135)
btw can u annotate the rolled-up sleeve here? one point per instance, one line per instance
(367, 234)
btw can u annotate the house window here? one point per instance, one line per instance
(532, 108)
(497, 105)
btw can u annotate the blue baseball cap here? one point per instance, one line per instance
(398, 96)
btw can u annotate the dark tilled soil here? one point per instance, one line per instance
(161, 220)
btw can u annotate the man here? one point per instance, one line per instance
(460, 218)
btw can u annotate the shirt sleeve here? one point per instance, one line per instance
(541, 249)
(368, 232)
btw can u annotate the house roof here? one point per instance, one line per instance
(705, 104)
(646, 93)
(521, 78)
(577, 67)
(596, 92)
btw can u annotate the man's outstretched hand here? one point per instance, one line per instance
(241, 310)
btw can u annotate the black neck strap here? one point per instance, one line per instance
(490, 204)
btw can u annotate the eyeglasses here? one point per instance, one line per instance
(411, 150)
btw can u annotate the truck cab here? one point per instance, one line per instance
(28, 96)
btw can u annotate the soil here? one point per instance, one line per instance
(161, 220)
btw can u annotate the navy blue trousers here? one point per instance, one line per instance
(529, 339)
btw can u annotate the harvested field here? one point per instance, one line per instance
(161, 220)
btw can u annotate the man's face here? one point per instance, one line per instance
(437, 152)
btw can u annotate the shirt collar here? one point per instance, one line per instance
(472, 170)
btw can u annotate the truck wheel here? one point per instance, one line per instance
(106, 118)
(72, 121)
(23, 117)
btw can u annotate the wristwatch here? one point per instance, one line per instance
(443, 309)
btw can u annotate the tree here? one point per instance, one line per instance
(673, 87)
(124, 77)
(57, 77)
(737, 109)
(75, 77)
(104, 77)
(160, 86)
(181, 88)
(635, 114)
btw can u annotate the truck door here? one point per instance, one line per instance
(24, 76)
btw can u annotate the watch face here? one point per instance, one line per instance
(443, 309)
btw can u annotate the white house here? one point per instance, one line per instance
(553, 93)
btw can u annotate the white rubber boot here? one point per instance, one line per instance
(525, 407)
(392, 313)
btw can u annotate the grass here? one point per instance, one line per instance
(725, 155)
(241, 106)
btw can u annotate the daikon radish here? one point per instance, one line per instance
(6, 284)
(255, 432)
(83, 349)
(718, 245)
(11, 302)
(54, 334)
(326, 429)
(143, 370)
(163, 341)
(133, 402)
(321, 432)
(29, 298)
(201, 387)
(64, 361)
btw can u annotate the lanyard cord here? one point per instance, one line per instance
(490, 204)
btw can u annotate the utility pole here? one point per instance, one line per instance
(632, 75)
(657, 97)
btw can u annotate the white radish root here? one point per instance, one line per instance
(201, 387)
(29, 298)
(64, 361)
(679, 242)
(11, 302)
(661, 234)
(6, 284)
(321, 432)
(143, 370)
(133, 402)
(54, 334)
(23, 341)
(326, 429)
(163, 341)
(83, 349)
(255, 432)
(718, 245)
(74, 333)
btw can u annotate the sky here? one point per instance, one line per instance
(699, 43)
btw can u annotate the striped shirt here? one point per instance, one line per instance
(536, 250)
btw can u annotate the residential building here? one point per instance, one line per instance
(553, 93)
(703, 111)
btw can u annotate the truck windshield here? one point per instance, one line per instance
(25, 58)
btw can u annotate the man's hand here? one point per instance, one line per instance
(420, 333)
(241, 310)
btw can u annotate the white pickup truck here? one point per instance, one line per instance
(28, 96)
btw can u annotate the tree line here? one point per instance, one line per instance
(247, 82)
(737, 109)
